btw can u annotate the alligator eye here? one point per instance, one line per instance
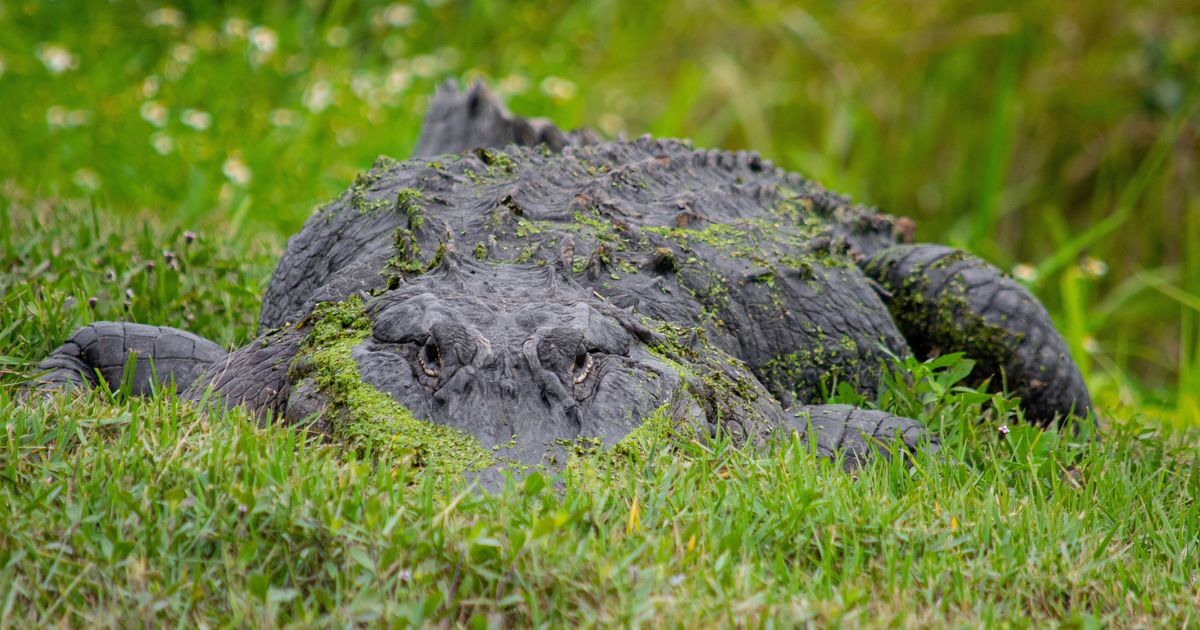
(430, 359)
(581, 367)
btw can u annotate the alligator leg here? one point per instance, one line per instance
(103, 349)
(257, 376)
(945, 300)
(859, 434)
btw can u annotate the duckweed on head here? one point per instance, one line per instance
(365, 419)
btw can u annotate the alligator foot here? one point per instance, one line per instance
(858, 434)
(945, 300)
(102, 350)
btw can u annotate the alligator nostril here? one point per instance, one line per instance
(508, 388)
(576, 415)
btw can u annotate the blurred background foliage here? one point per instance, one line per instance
(1056, 139)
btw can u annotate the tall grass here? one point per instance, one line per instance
(122, 512)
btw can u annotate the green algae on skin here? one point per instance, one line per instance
(945, 317)
(362, 182)
(407, 259)
(367, 419)
(786, 373)
(589, 463)
(407, 201)
(716, 381)
(656, 429)
(496, 161)
(750, 237)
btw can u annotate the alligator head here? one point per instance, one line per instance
(520, 358)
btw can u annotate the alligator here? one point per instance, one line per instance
(514, 291)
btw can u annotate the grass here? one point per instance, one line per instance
(157, 158)
(122, 512)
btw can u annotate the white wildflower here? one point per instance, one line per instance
(57, 58)
(398, 15)
(166, 16)
(59, 117)
(162, 143)
(424, 65)
(318, 96)
(1025, 272)
(196, 119)
(87, 179)
(78, 118)
(183, 53)
(264, 39)
(362, 85)
(558, 88)
(345, 136)
(237, 171)
(154, 113)
(397, 81)
(611, 124)
(236, 27)
(284, 118)
(56, 117)
(337, 36)
(150, 86)
(1093, 267)
(513, 84)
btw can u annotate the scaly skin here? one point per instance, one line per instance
(946, 300)
(858, 434)
(102, 349)
(460, 121)
(563, 290)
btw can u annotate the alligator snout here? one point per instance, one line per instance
(519, 367)
(523, 378)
